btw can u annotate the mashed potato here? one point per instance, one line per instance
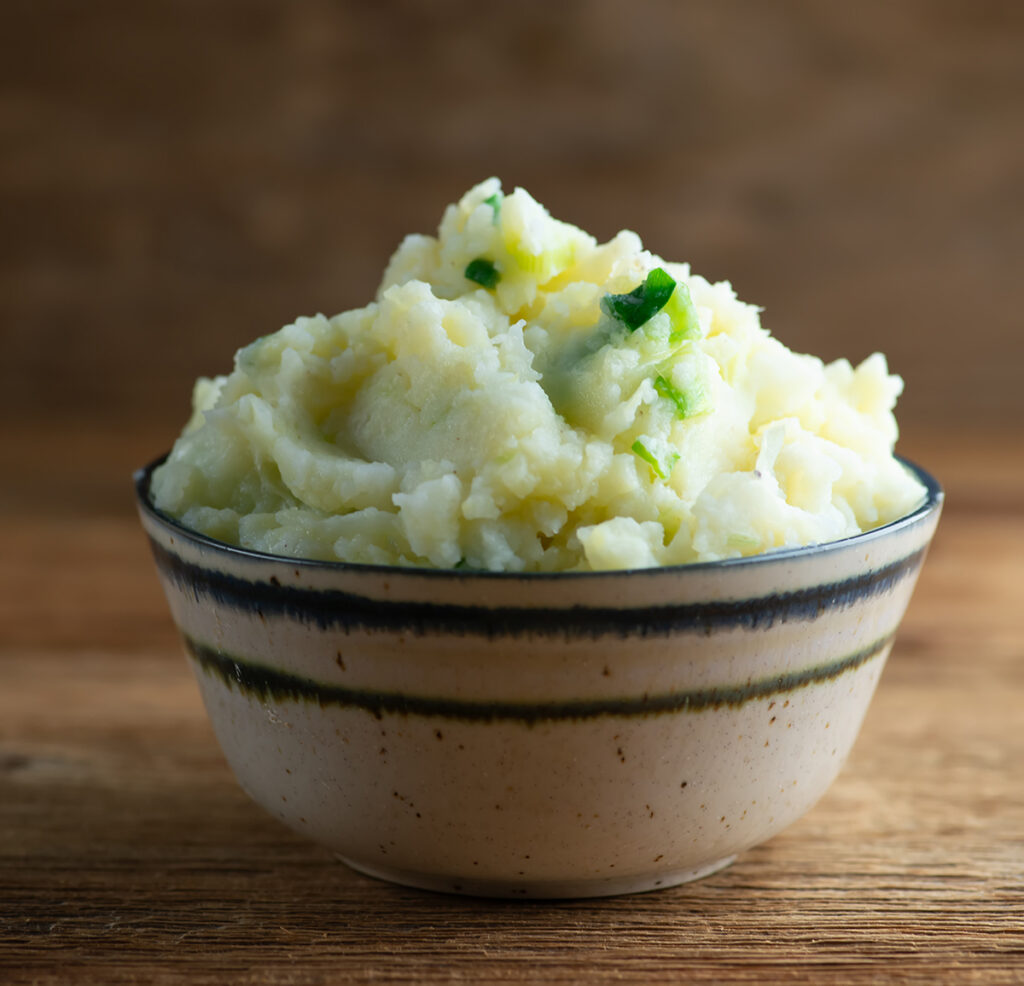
(522, 398)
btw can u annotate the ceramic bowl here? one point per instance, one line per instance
(563, 735)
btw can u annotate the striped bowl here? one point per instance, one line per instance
(566, 735)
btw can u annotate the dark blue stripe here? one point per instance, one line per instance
(268, 684)
(333, 609)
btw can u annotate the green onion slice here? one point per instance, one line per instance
(483, 272)
(643, 302)
(660, 464)
(667, 389)
(683, 314)
(494, 201)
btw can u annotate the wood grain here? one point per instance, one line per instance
(128, 853)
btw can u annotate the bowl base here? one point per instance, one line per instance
(537, 889)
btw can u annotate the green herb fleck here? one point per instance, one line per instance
(660, 464)
(743, 542)
(666, 388)
(643, 302)
(494, 201)
(683, 314)
(483, 272)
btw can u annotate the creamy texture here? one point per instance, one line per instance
(493, 410)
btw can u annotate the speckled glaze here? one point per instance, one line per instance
(562, 735)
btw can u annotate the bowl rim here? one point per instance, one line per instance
(932, 503)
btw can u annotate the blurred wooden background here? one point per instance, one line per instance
(180, 177)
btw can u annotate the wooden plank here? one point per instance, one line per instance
(127, 853)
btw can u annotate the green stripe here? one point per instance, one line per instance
(268, 684)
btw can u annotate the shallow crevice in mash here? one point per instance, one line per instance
(521, 427)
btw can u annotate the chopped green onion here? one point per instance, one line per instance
(643, 302)
(544, 265)
(661, 465)
(680, 309)
(494, 201)
(666, 388)
(483, 272)
(743, 542)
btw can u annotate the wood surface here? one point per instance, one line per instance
(128, 853)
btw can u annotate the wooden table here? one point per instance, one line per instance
(128, 854)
